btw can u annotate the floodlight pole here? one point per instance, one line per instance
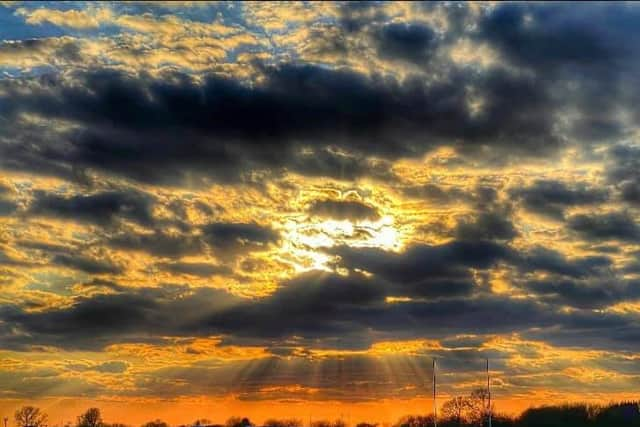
(489, 392)
(435, 405)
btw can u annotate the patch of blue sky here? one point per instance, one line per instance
(199, 12)
(14, 27)
(14, 72)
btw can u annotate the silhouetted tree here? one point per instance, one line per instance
(367, 425)
(91, 418)
(620, 414)
(155, 423)
(456, 409)
(575, 415)
(415, 421)
(30, 416)
(201, 422)
(477, 410)
(500, 420)
(325, 423)
(238, 422)
(283, 423)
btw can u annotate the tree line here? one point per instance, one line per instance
(461, 411)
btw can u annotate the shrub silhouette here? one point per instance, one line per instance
(238, 422)
(619, 414)
(574, 415)
(283, 423)
(325, 423)
(155, 423)
(415, 421)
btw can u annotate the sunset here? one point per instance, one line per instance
(235, 213)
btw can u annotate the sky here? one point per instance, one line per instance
(274, 209)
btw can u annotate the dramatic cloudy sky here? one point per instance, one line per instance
(266, 209)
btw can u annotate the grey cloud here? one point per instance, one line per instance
(344, 209)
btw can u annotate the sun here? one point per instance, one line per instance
(309, 242)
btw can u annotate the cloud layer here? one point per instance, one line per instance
(310, 204)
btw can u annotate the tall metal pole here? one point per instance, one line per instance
(435, 403)
(489, 392)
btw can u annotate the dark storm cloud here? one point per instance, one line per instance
(68, 256)
(225, 239)
(575, 49)
(165, 131)
(411, 42)
(231, 238)
(135, 314)
(316, 307)
(344, 209)
(624, 172)
(591, 329)
(437, 194)
(7, 207)
(556, 37)
(633, 267)
(86, 264)
(542, 259)
(158, 243)
(609, 226)
(339, 309)
(424, 261)
(494, 225)
(315, 303)
(586, 293)
(552, 198)
(100, 208)
(547, 36)
(427, 271)
(195, 268)
(328, 163)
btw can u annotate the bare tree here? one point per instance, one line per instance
(478, 406)
(91, 418)
(30, 416)
(456, 409)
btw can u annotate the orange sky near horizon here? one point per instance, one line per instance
(187, 410)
